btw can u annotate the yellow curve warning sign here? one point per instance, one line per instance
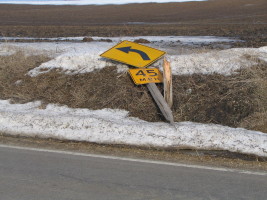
(134, 54)
(146, 75)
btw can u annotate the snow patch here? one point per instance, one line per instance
(5, 50)
(264, 53)
(73, 63)
(115, 127)
(162, 39)
(224, 62)
(77, 57)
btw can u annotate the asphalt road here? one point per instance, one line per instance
(40, 175)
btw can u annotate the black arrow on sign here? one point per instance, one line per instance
(128, 49)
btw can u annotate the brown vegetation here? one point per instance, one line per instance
(141, 40)
(237, 100)
(88, 39)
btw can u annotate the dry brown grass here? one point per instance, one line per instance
(234, 100)
(257, 76)
(237, 100)
(12, 69)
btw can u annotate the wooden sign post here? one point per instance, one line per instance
(150, 76)
(142, 56)
(162, 104)
(167, 82)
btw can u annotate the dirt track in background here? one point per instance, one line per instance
(253, 35)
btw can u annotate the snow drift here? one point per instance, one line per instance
(115, 127)
(76, 57)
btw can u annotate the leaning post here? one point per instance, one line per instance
(160, 101)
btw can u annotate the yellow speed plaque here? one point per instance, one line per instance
(134, 54)
(146, 75)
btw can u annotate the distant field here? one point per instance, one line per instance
(254, 35)
(246, 19)
(213, 11)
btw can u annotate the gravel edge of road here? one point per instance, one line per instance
(185, 156)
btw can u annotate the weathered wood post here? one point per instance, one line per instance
(141, 56)
(162, 104)
(167, 82)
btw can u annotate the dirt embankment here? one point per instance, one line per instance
(236, 101)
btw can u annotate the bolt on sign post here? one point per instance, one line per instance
(142, 56)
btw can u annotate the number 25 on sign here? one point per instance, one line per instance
(146, 75)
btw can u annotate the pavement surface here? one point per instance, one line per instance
(30, 174)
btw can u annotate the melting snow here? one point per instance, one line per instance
(115, 127)
(224, 62)
(161, 39)
(77, 57)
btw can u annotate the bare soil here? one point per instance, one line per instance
(246, 19)
(206, 12)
